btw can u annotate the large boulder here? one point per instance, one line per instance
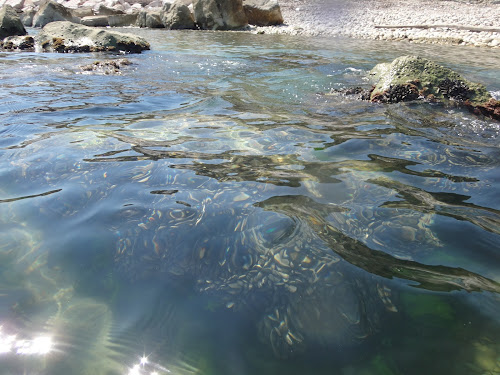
(149, 19)
(413, 77)
(10, 23)
(50, 12)
(219, 14)
(263, 12)
(64, 36)
(177, 16)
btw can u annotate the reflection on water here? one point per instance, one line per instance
(212, 211)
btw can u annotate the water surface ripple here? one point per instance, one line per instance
(210, 210)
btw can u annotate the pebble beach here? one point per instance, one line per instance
(474, 23)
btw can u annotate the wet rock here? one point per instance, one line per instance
(219, 14)
(412, 77)
(356, 92)
(63, 36)
(50, 12)
(10, 23)
(263, 12)
(25, 42)
(106, 67)
(177, 16)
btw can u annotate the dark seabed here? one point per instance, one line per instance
(210, 210)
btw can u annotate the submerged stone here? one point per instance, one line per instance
(105, 67)
(65, 36)
(412, 77)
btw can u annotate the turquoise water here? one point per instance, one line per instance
(210, 210)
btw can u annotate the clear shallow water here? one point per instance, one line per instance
(211, 211)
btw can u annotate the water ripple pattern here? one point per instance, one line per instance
(211, 210)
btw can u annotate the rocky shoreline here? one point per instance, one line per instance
(475, 22)
(471, 22)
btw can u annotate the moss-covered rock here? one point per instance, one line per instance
(413, 77)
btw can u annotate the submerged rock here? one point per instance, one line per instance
(263, 12)
(412, 77)
(65, 36)
(106, 67)
(10, 23)
(219, 14)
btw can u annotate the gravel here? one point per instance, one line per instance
(447, 22)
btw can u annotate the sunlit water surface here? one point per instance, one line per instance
(211, 211)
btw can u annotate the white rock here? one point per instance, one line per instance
(16, 4)
(73, 4)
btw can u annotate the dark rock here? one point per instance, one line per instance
(263, 12)
(10, 23)
(355, 92)
(397, 93)
(25, 42)
(50, 12)
(456, 90)
(63, 36)
(219, 14)
(177, 16)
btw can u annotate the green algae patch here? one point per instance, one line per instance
(420, 306)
